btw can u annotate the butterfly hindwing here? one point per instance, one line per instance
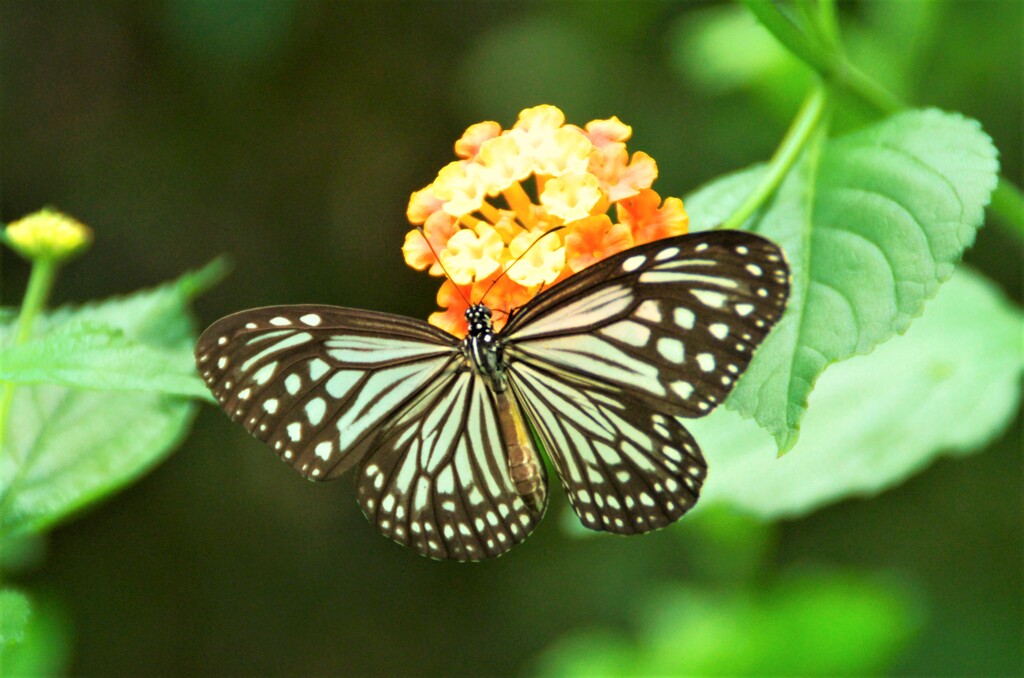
(626, 469)
(316, 382)
(438, 480)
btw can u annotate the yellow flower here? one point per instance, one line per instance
(48, 234)
(511, 188)
(572, 196)
(473, 255)
(543, 258)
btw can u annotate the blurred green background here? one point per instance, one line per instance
(289, 135)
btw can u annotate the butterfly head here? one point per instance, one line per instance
(478, 317)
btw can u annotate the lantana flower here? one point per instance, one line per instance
(526, 207)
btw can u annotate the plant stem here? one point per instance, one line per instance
(840, 74)
(801, 129)
(40, 281)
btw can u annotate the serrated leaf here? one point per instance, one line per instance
(872, 226)
(949, 385)
(92, 356)
(66, 447)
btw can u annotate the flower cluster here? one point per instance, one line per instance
(497, 233)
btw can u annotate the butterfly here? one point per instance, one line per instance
(602, 368)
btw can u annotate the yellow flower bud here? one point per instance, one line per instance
(48, 234)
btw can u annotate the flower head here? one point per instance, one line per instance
(48, 234)
(526, 207)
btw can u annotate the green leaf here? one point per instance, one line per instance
(872, 226)
(66, 447)
(950, 384)
(814, 623)
(14, 613)
(101, 357)
(34, 637)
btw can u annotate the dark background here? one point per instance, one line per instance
(290, 135)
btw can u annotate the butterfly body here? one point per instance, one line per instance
(604, 367)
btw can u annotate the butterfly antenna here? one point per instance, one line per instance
(434, 252)
(516, 261)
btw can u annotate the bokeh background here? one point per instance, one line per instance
(289, 134)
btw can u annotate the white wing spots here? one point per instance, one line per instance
(315, 410)
(743, 310)
(762, 292)
(264, 374)
(311, 319)
(684, 318)
(666, 253)
(701, 247)
(317, 369)
(324, 449)
(719, 330)
(292, 384)
(649, 311)
(706, 362)
(754, 270)
(342, 382)
(295, 431)
(671, 349)
(315, 472)
(280, 321)
(629, 333)
(726, 380)
(742, 249)
(270, 405)
(251, 326)
(633, 263)
(683, 389)
(244, 394)
(222, 362)
(732, 368)
(709, 298)
(222, 341)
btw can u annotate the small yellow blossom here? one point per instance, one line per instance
(48, 234)
(472, 255)
(491, 216)
(572, 196)
(474, 137)
(543, 258)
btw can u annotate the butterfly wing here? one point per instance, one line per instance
(439, 478)
(317, 383)
(607, 362)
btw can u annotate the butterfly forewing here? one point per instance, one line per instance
(439, 480)
(671, 325)
(316, 382)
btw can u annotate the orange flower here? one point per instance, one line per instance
(487, 221)
(592, 239)
(650, 222)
